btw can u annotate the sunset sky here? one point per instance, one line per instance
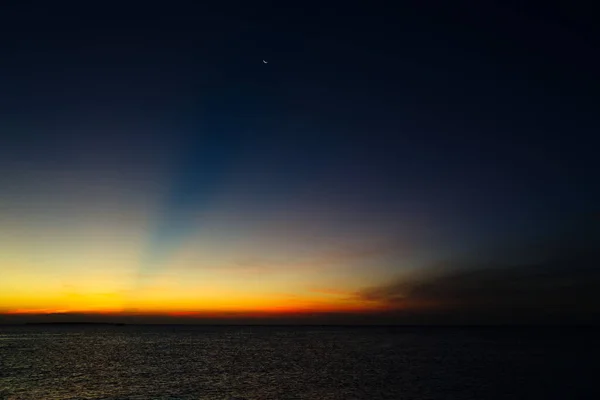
(432, 165)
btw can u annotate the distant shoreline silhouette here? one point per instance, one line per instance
(74, 323)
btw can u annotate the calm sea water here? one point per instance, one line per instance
(179, 362)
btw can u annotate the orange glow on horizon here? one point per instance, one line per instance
(274, 311)
(261, 307)
(92, 262)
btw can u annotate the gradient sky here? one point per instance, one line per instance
(400, 164)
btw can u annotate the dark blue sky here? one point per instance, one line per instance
(477, 117)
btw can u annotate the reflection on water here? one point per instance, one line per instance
(178, 362)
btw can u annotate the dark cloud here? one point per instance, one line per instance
(561, 285)
(555, 280)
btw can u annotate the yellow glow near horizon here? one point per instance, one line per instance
(98, 293)
(82, 251)
(105, 277)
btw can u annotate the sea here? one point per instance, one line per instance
(48, 362)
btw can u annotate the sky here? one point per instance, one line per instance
(388, 164)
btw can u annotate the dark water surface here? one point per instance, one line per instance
(183, 362)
